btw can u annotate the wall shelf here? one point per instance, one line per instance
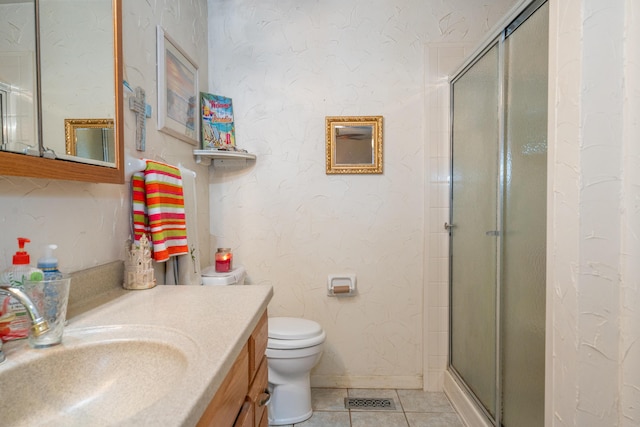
(207, 156)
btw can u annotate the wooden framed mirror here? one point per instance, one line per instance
(40, 163)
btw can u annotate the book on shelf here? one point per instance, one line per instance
(218, 130)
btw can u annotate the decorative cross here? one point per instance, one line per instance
(138, 105)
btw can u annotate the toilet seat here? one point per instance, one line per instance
(292, 333)
(277, 344)
(293, 328)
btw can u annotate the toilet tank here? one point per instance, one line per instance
(234, 277)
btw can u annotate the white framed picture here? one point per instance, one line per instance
(178, 93)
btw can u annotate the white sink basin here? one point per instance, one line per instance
(98, 376)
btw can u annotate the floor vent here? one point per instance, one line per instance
(368, 403)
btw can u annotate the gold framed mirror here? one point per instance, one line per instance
(40, 164)
(91, 139)
(354, 144)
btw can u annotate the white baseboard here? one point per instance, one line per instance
(337, 381)
(465, 407)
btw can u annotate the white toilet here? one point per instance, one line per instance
(234, 277)
(294, 347)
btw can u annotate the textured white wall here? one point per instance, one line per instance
(593, 375)
(287, 65)
(90, 222)
(629, 354)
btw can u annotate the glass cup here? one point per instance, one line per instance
(50, 298)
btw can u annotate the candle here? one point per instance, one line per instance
(224, 260)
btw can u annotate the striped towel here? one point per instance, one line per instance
(158, 209)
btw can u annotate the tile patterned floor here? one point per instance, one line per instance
(414, 408)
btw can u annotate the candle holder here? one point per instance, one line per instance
(224, 260)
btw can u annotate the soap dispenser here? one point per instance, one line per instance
(14, 321)
(49, 264)
(20, 270)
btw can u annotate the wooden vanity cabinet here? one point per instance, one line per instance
(243, 395)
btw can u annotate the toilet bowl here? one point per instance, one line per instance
(294, 347)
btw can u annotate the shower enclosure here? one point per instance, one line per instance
(498, 223)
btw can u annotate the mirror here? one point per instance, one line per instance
(91, 139)
(354, 144)
(79, 68)
(18, 77)
(80, 33)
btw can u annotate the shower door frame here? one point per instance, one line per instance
(515, 18)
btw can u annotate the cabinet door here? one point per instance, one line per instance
(264, 422)
(223, 409)
(259, 393)
(245, 417)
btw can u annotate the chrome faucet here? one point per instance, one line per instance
(38, 324)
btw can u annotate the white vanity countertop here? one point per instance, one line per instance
(216, 320)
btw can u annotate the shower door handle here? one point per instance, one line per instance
(492, 233)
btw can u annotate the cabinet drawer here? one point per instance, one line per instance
(259, 393)
(258, 344)
(225, 405)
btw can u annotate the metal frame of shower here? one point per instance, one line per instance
(518, 15)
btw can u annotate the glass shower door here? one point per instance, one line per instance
(474, 225)
(498, 223)
(523, 287)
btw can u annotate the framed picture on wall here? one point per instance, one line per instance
(178, 94)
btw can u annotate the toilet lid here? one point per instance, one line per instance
(276, 344)
(293, 328)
